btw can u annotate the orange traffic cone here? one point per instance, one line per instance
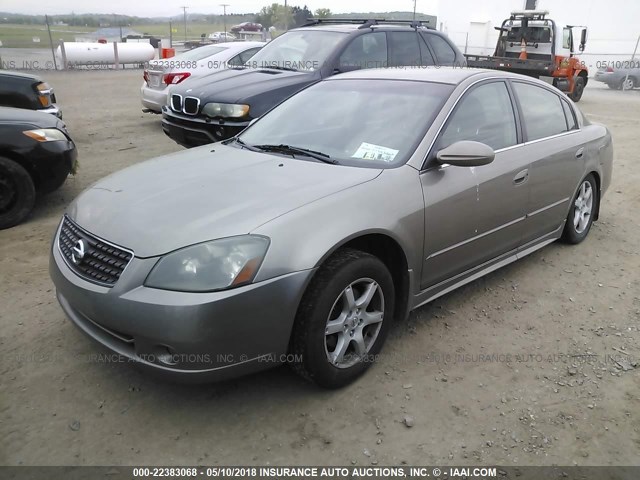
(523, 50)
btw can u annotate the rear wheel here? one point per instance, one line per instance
(343, 319)
(628, 83)
(17, 193)
(580, 218)
(578, 89)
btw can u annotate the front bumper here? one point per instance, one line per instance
(192, 337)
(194, 131)
(52, 162)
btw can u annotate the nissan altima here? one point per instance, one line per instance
(305, 237)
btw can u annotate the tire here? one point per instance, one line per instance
(583, 208)
(628, 84)
(578, 89)
(331, 301)
(17, 193)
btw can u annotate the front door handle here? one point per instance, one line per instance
(580, 153)
(521, 177)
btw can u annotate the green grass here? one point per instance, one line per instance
(21, 36)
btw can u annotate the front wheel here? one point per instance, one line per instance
(578, 89)
(580, 216)
(17, 193)
(343, 319)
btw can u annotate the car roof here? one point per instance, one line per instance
(449, 75)
(354, 27)
(240, 44)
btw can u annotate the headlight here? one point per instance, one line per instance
(206, 267)
(46, 134)
(225, 110)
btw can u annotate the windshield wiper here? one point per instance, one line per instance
(280, 67)
(291, 150)
(243, 145)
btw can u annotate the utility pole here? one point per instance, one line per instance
(414, 8)
(224, 18)
(53, 53)
(184, 11)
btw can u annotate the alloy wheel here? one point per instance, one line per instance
(354, 323)
(583, 207)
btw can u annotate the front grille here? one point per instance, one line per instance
(191, 105)
(90, 257)
(176, 102)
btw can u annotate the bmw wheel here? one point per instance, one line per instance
(343, 319)
(582, 211)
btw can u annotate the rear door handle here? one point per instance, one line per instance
(580, 153)
(521, 177)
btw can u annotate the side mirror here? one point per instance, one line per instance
(583, 39)
(466, 154)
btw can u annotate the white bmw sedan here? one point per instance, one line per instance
(161, 74)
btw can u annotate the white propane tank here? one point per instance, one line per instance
(79, 53)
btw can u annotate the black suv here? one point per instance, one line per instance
(221, 105)
(23, 90)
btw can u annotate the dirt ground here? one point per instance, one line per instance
(532, 365)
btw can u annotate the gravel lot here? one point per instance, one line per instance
(541, 355)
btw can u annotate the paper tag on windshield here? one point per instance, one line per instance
(368, 151)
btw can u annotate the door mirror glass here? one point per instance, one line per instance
(466, 154)
(583, 39)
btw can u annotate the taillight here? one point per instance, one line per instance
(609, 70)
(175, 78)
(145, 75)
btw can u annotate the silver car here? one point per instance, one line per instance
(304, 238)
(163, 73)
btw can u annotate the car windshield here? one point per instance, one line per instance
(304, 50)
(366, 123)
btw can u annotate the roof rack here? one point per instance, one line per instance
(368, 22)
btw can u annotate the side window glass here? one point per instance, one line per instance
(235, 61)
(542, 111)
(427, 57)
(247, 54)
(566, 38)
(366, 51)
(445, 55)
(571, 118)
(404, 50)
(484, 115)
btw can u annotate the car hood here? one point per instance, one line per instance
(29, 117)
(210, 192)
(238, 85)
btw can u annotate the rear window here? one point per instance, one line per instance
(444, 53)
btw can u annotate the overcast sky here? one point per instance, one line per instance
(153, 8)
